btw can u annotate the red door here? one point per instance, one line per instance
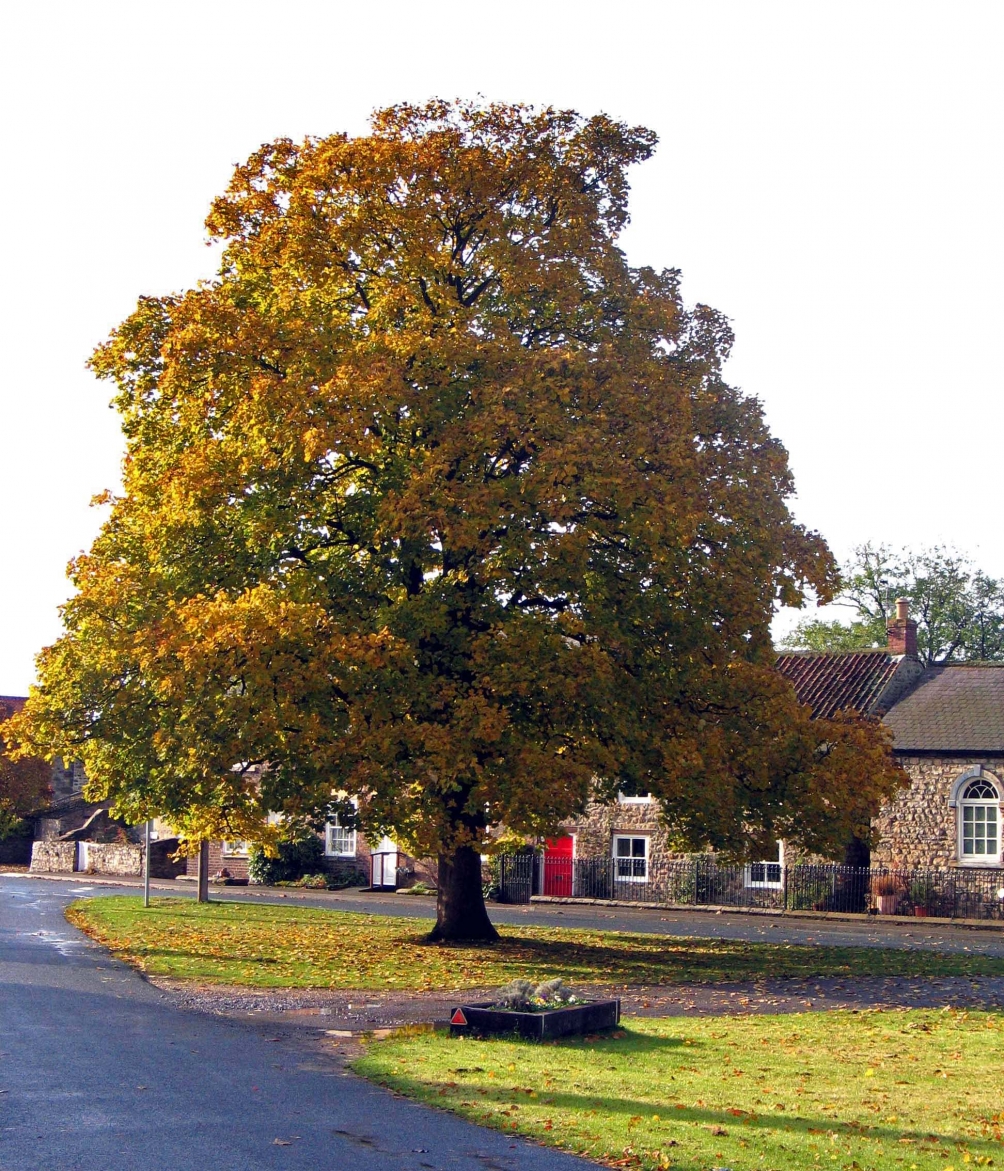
(558, 855)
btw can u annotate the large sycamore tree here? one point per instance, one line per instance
(433, 501)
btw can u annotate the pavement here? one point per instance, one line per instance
(102, 1071)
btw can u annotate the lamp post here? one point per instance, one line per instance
(146, 866)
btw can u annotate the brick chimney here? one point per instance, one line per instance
(902, 631)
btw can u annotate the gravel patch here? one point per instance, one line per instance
(781, 996)
(364, 1011)
(318, 1007)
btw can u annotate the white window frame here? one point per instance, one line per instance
(964, 804)
(764, 876)
(349, 838)
(629, 857)
(235, 849)
(772, 872)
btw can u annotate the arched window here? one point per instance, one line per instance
(980, 822)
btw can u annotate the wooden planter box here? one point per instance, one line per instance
(484, 1021)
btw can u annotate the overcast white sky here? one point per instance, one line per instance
(829, 176)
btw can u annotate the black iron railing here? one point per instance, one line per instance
(956, 893)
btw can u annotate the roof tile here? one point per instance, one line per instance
(954, 707)
(833, 682)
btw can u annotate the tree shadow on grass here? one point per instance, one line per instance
(637, 958)
(634, 1043)
(737, 1123)
(669, 959)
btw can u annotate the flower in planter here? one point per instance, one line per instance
(553, 994)
(521, 996)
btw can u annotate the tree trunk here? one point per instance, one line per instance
(203, 872)
(857, 853)
(460, 904)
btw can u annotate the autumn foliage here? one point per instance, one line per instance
(432, 499)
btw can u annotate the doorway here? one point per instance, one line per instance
(559, 859)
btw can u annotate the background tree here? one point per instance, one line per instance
(432, 500)
(25, 784)
(959, 610)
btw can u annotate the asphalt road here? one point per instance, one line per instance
(99, 1072)
(874, 931)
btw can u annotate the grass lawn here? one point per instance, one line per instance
(882, 1090)
(300, 947)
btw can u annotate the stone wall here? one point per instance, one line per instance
(110, 858)
(49, 857)
(919, 828)
(594, 832)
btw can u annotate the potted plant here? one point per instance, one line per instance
(538, 1013)
(922, 896)
(887, 890)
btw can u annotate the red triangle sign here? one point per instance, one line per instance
(458, 1018)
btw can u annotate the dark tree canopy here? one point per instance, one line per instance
(432, 500)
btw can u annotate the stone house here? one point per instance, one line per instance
(947, 722)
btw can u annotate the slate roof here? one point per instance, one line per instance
(953, 708)
(834, 682)
(15, 702)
